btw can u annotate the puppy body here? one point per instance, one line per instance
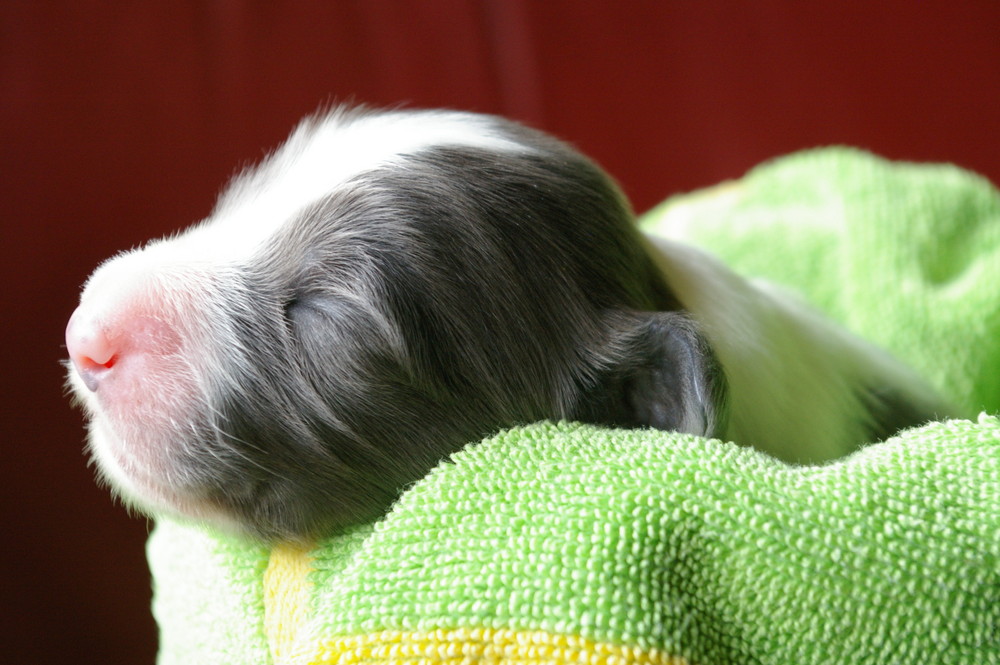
(388, 287)
(800, 387)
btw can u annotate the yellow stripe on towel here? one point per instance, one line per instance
(287, 601)
(287, 607)
(468, 645)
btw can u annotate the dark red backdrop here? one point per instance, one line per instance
(121, 121)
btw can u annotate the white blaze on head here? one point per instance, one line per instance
(321, 156)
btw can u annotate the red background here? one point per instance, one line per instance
(121, 121)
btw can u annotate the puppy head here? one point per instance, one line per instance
(384, 289)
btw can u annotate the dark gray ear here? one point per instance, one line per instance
(665, 376)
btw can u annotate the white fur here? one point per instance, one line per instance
(321, 155)
(794, 376)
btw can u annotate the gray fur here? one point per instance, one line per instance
(424, 307)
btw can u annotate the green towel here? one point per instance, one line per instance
(567, 543)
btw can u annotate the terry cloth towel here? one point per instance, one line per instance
(565, 543)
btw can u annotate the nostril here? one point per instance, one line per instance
(90, 349)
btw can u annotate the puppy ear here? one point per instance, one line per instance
(664, 375)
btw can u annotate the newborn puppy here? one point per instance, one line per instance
(390, 286)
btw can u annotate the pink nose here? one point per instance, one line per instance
(90, 349)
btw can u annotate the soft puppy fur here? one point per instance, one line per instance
(389, 286)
